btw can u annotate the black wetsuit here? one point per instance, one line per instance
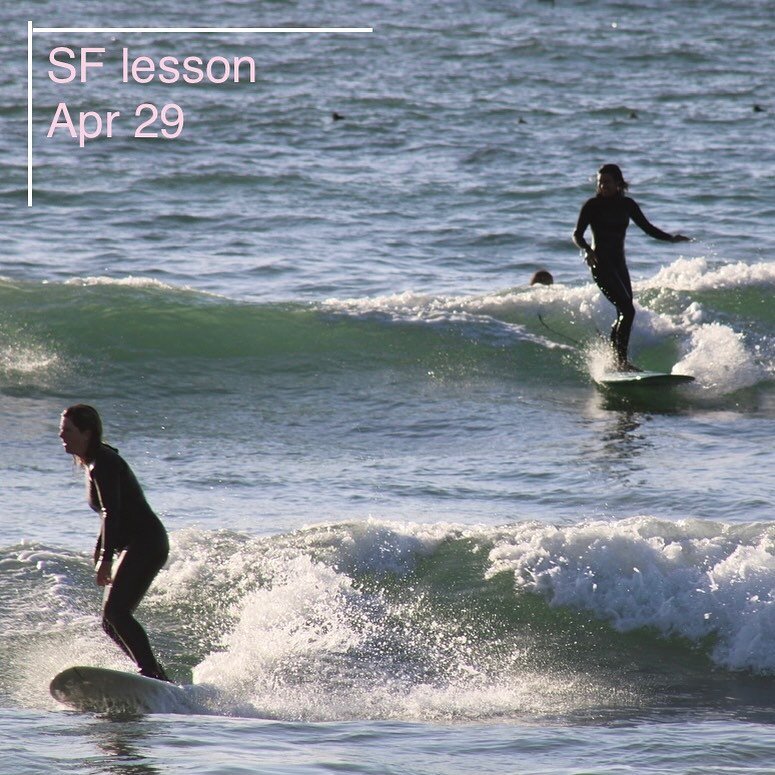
(129, 525)
(608, 218)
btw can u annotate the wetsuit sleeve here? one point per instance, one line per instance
(581, 227)
(640, 219)
(106, 478)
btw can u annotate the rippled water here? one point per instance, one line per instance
(409, 533)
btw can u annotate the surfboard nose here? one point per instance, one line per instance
(102, 690)
(63, 684)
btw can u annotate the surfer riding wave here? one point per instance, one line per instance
(608, 214)
(128, 525)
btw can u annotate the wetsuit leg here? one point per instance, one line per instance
(615, 284)
(137, 570)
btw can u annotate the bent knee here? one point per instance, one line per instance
(107, 625)
(113, 615)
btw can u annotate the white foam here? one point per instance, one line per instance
(719, 360)
(697, 274)
(310, 644)
(141, 283)
(130, 281)
(27, 360)
(501, 319)
(296, 617)
(690, 578)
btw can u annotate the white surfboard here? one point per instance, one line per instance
(625, 378)
(99, 690)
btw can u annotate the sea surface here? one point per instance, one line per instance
(409, 532)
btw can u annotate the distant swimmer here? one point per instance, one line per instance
(608, 214)
(542, 277)
(129, 527)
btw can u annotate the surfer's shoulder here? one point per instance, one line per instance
(108, 459)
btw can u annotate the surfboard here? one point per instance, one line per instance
(656, 378)
(100, 690)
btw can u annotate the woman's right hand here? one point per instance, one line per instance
(590, 258)
(104, 573)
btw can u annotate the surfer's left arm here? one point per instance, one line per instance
(641, 221)
(107, 484)
(578, 236)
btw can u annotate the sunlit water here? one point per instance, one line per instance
(409, 532)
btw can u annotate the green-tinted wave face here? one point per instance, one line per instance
(138, 336)
(126, 321)
(122, 329)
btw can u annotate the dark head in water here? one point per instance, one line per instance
(542, 277)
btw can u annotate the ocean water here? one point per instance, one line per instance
(409, 534)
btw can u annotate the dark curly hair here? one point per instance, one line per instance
(616, 173)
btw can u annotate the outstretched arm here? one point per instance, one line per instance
(640, 219)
